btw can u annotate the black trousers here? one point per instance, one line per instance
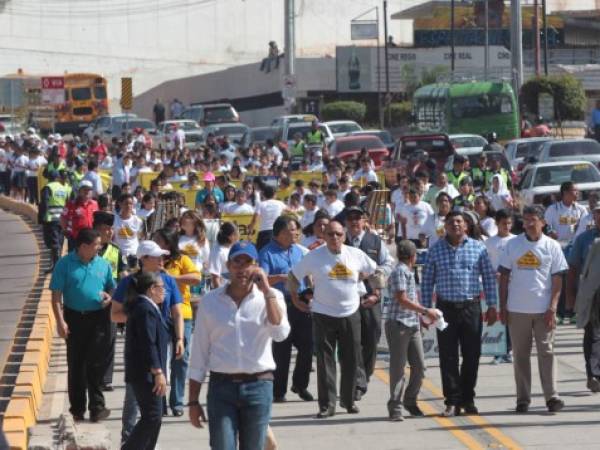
(464, 331)
(588, 341)
(54, 239)
(145, 433)
(301, 337)
(86, 355)
(109, 362)
(370, 333)
(5, 182)
(330, 332)
(263, 238)
(32, 190)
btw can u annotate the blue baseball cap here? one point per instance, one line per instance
(243, 248)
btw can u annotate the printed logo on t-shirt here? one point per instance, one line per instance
(440, 231)
(340, 272)
(528, 261)
(125, 232)
(190, 250)
(567, 220)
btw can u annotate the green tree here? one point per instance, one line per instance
(567, 91)
(344, 110)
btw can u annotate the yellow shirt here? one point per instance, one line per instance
(183, 266)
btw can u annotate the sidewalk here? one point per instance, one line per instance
(295, 427)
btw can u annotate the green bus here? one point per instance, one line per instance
(478, 107)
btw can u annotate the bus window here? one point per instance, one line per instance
(80, 94)
(100, 92)
(480, 105)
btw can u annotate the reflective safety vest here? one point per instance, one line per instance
(478, 177)
(111, 255)
(455, 179)
(489, 175)
(460, 201)
(76, 178)
(314, 137)
(298, 149)
(59, 193)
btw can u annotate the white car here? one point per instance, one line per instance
(544, 179)
(338, 128)
(193, 133)
(518, 150)
(467, 144)
(99, 124)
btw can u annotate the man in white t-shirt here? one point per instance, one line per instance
(336, 271)
(531, 270)
(267, 211)
(412, 216)
(563, 216)
(366, 172)
(127, 229)
(332, 205)
(240, 206)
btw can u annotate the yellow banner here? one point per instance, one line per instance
(106, 177)
(307, 177)
(242, 221)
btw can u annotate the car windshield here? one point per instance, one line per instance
(343, 128)
(561, 149)
(188, 126)
(556, 175)
(263, 134)
(468, 141)
(436, 148)
(100, 92)
(222, 113)
(83, 93)
(527, 149)
(131, 124)
(476, 106)
(354, 145)
(234, 129)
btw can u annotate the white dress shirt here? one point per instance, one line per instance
(229, 339)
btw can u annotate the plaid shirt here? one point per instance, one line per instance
(402, 278)
(455, 273)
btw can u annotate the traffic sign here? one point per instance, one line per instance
(53, 90)
(126, 93)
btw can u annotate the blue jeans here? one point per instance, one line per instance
(130, 412)
(179, 369)
(238, 410)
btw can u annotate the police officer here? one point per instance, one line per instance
(457, 173)
(103, 223)
(315, 136)
(370, 308)
(54, 197)
(478, 173)
(493, 145)
(298, 147)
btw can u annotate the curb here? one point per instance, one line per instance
(31, 347)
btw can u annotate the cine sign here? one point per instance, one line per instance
(363, 30)
(53, 90)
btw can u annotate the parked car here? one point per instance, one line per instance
(193, 133)
(102, 122)
(234, 131)
(208, 114)
(303, 128)
(465, 144)
(569, 150)
(120, 128)
(348, 147)
(257, 135)
(519, 150)
(279, 122)
(338, 128)
(541, 180)
(384, 135)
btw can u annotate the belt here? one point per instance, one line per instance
(85, 313)
(241, 377)
(459, 304)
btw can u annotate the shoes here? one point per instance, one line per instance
(414, 410)
(497, 360)
(177, 412)
(555, 404)
(353, 409)
(507, 358)
(358, 393)
(107, 387)
(279, 399)
(451, 411)
(561, 321)
(324, 413)
(303, 394)
(522, 408)
(593, 384)
(396, 416)
(471, 409)
(78, 417)
(573, 320)
(100, 415)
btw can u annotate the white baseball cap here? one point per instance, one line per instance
(86, 184)
(150, 248)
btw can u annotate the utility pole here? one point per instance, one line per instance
(290, 49)
(387, 65)
(452, 28)
(545, 26)
(516, 44)
(486, 48)
(378, 71)
(536, 37)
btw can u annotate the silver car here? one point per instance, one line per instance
(193, 133)
(518, 150)
(569, 150)
(100, 123)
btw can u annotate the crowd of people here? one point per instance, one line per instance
(199, 300)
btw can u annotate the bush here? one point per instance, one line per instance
(400, 113)
(567, 91)
(344, 110)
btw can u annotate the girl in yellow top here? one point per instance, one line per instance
(186, 274)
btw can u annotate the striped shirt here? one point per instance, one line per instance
(402, 279)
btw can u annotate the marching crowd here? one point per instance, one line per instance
(198, 301)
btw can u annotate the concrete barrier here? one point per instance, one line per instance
(32, 350)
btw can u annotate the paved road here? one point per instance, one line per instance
(497, 427)
(18, 259)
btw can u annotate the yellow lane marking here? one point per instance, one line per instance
(445, 422)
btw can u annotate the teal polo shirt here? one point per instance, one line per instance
(82, 283)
